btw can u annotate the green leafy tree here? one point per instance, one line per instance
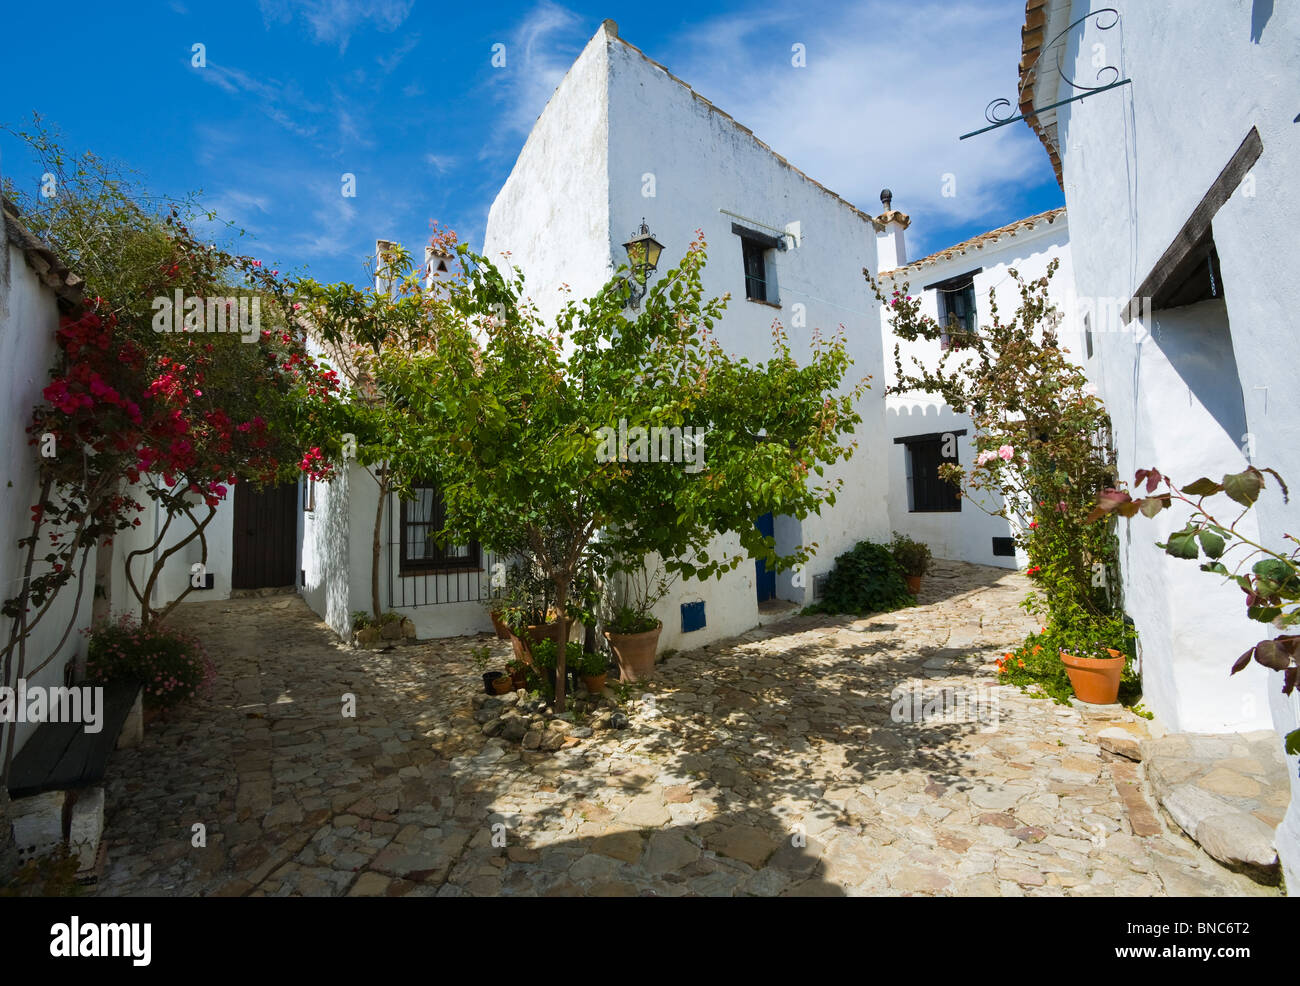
(356, 327)
(522, 423)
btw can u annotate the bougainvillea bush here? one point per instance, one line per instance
(132, 414)
(136, 412)
(1041, 452)
(170, 665)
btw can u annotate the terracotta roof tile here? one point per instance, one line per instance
(47, 264)
(978, 242)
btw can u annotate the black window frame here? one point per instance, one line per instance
(438, 561)
(933, 495)
(962, 286)
(754, 247)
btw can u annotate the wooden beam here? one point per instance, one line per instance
(1198, 223)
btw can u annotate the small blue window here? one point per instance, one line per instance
(692, 616)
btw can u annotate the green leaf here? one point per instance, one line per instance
(1292, 743)
(1212, 543)
(1273, 569)
(1243, 487)
(1183, 544)
(1202, 487)
(1152, 505)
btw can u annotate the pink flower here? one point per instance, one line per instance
(1006, 452)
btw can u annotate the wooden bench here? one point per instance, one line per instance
(62, 756)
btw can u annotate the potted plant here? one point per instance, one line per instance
(518, 674)
(528, 610)
(1094, 669)
(633, 630)
(594, 669)
(913, 558)
(494, 682)
(495, 606)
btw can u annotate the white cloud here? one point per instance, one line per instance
(538, 53)
(886, 92)
(334, 21)
(394, 58)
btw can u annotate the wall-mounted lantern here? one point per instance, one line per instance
(643, 258)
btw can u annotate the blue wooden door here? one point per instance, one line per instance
(764, 580)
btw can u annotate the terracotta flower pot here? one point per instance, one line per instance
(503, 631)
(503, 683)
(492, 680)
(913, 583)
(1095, 679)
(595, 682)
(536, 634)
(635, 653)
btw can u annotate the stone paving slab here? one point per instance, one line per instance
(817, 756)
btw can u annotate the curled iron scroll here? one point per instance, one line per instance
(1103, 19)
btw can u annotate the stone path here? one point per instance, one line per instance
(771, 764)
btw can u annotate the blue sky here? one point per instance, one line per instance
(403, 95)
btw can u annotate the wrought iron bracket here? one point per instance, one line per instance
(1107, 77)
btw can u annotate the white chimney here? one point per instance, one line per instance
(891, 249)
(437, 268)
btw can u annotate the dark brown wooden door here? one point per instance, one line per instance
(265, 536)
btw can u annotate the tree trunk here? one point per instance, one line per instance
(8, 848)
(561, 672)
(376, 542)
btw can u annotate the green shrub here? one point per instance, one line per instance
(171, 666)
(864, 580)
(913, 556)
(592, 664)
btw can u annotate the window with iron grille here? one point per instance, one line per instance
(956, 305)
(755, 270)
(422, 517)
(926, 491)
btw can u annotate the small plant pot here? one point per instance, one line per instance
(595, 682)
(503, 631)
(518, 679)
(913, 583)
(502, 683)
(635, 653)
(490, 679)
(1095, 680)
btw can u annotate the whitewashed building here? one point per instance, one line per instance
(34, 283)
(957, 284)
(622, 139)
(1181, 187)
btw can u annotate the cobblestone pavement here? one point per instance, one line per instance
(765, 765)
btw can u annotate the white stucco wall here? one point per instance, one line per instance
(29, 319)
(1136, 162)
(175, 576)
(552, 214)
(327, 555)
(966, 535)
(701, 162)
